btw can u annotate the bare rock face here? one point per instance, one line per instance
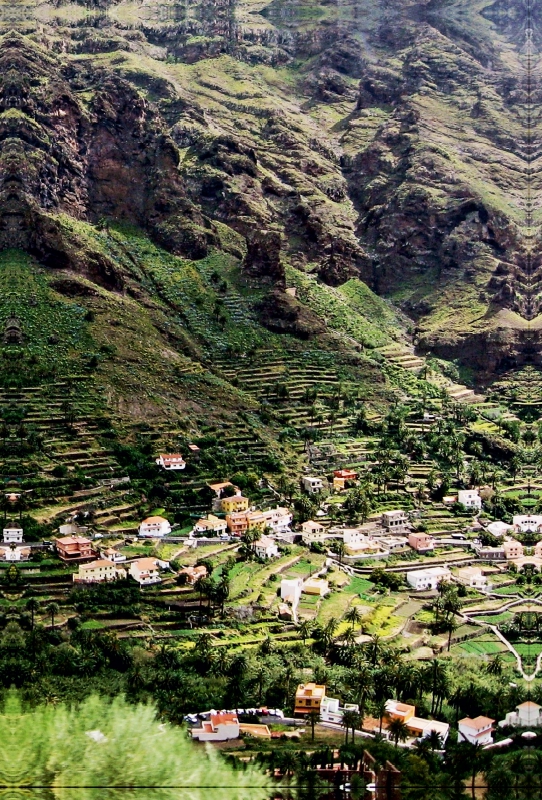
(263, 257)
(284, 314)
(388, 141)
(111, 157)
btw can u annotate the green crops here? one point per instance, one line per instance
(112, 748)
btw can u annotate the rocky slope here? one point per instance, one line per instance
(395, 142)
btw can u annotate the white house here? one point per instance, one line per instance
(154, 527)
(171, 461)
(15, 553)
(278, 519)
(98, 572)
(354, 539)
(424, 579)
(13, 534)
(145, 571)
(526, 715)
(290, 590)
(210, 526)
(470, 498)
(218, 728)
(266, 547)
(473, 577)
(392, 543)
(499, 528)
(312, 485)
(394, 520)
(113, 555)
(527, 522)
(476, 731)
(417, 727)
(332, 711)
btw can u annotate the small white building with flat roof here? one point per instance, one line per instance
(526, 715)
(470, 498)
(524, 523)
(312, 485)
(427, 579)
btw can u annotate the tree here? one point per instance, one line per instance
(380, 711)
(304, 629)
(32, 606)
(339, 548)
(398, 731)
(353, 617)
(53, 609)
(222, 592)
(434, 741)
(349, 721)
(495, 666)
(473, 757)
(313, 718)
(451, 626)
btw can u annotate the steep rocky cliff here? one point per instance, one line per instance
(393, 141)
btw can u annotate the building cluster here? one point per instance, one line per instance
(368, 540)
(107, 564)
(311, 697)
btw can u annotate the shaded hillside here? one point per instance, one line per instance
(271, 148)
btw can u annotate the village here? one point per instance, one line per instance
(376, 582)
(390, 575)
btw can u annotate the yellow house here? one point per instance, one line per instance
(257, 519)
(97, 571)
(317, 586)
(308, 697)
(233, 504)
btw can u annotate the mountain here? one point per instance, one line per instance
(205, 209)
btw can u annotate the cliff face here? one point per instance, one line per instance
(394, 141)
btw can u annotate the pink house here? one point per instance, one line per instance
(512, 549)
(421, 542)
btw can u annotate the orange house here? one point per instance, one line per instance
(74, 548)
(237, 522)
(340, 476)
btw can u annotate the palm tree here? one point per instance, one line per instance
(380, 711)
(325, 635)
(287, 762)
(204, 645)
(349, 721)
(52, 609)
(349, 637)
(375, 648)
(434, 741)
(352, 616)
(473, 755)
(495, 666)
(222, 592)
(451, 626)
(32, 606)
(340, 549)
(398, 731)
(304, 629)
(313, 717)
